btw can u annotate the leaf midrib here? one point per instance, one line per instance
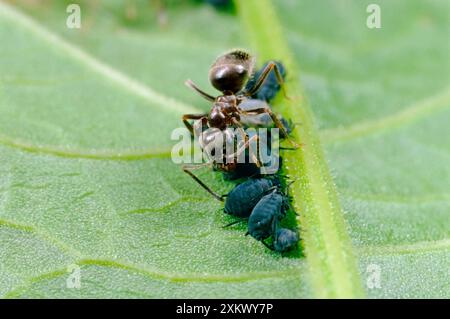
(328, 249)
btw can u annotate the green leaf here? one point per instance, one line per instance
(86, 176)
(327, 246)
(381, 101)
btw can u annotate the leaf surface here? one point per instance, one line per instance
(86, 175)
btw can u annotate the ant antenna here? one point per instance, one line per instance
(192, 85)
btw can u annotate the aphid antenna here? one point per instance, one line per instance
(287, 148)
(283, 176)
(267, 245)
(289, 185)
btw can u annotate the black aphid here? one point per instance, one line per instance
(265, 217)
(284, 239)
(244, 197)
(264, 222)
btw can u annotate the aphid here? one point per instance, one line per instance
(284, 239)
(229, 74)
(245, 170)
(265, 219)
(244, 197)
(266, 215)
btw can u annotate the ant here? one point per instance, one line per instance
(229, 74)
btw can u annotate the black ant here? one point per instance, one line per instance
(229, 74)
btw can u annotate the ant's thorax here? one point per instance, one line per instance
(225, 111)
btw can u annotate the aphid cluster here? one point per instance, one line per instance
(264, 204)
(244, 103)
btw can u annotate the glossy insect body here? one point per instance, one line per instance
(225, 150)
(284, 239)
(244, 197)
(229, 74)
(266, 215)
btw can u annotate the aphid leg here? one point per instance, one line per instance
(267, 245)
(187, 169)
(245, 136)
(275, 119)
(187, 117)
(191, 85)
(232, 223)
(270, 66)
(287, 148)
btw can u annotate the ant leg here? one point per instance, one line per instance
(245, 136)
(270, 66)
(187, 117)
(277, 122)
(242, 149)
(187, 169)
(191, 85)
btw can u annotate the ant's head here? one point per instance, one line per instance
(231, 71)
